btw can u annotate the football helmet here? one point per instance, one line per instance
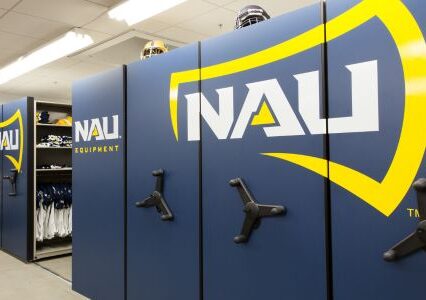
(249, 15)
(153, 48)
(65, 121)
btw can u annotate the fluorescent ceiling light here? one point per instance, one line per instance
(135, 11)
(65, 45)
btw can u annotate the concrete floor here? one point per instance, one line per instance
(60, 266)
(20, 281)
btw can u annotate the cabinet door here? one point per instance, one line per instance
(163, 253)
(377, 101)
(261, 108)
(17, 141)
(1, 176)
(99, 185)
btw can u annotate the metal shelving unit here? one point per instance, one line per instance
(52, 249)
(53, 170)
(48, 155)
(51, 148)
(52, 125)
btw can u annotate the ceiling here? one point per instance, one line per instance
(28, 24)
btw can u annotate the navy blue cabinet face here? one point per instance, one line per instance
(15, 137)
(162, 177)
(1, 176)
(99, 186)
(377, 100)
(261, 92)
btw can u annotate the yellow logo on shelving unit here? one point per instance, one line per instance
(13, 139)
(96, 130)
(384, 195)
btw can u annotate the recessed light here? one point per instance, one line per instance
(61, 47)
(135, 11)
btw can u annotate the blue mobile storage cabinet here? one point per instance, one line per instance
(273, 263)
(99, 185)
(1, 193)
(17, 207)
(163, 255)
(363, 227)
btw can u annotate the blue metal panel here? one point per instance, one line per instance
(163, 256)
(17, 212)
(1, 176)
(285, 257)
(362, 233)
(98, 186)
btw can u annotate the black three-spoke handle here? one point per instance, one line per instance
(156, 198)
(12, 179)
(416, 240)
(254, 212)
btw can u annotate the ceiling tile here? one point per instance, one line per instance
(97, 36)
(61, 64)
(181, 35)
(7, 4)
(49, 70)
(125, 52)
(73, 12)
(7, 55)
(107, 3)
(219, 2)
(4, 97)
(209, 24)
(80, 70)
(151, 26)
(184, 11)
(44, 88)
(17, 42)
(17, 83)
(106, 25)
(274, 8)
(32, 26)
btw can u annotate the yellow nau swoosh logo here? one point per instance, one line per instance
(385, 195)
(17, 116)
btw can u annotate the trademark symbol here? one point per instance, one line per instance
(413, 212)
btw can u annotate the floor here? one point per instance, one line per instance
(20, 281)
(60, 266)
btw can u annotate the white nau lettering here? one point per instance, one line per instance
(9, 141)
(364, 118)
(14, 142)
(273, 93)
(365, 101)
(97, 129)
(81, 130)
(114, 133)
(220, 123)
(4, 141)
(309, 102)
